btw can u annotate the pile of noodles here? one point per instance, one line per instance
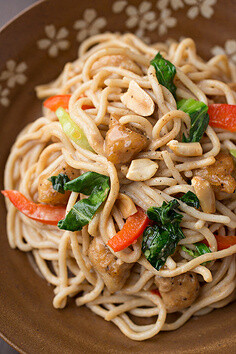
(62, 256)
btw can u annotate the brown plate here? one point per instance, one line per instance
(33, 49)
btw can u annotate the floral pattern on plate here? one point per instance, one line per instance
(14, 73)
(229, 49)
(55, 41)
(142, 18)
(203, 7)
(197, 7)
(89, 25)
(4, 100)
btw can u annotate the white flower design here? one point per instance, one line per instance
(166, 21)
(175, 4)
(14, 73)
(90, 25)
(4, 100)
(141, 34)
(229, 49)
(119, 6)
(141, 16)
(56, 40)
(203, 7)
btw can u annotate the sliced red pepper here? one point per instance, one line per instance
(223, 116)
(155, 292)
(54, 102)
(223, 242)
(132, 229)
(86, 106)
(47, 214)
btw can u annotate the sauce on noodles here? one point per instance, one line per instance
(120, 122)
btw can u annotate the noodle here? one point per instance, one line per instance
(63, 256)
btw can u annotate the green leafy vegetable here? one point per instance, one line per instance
(191, 199)
(160, 240)
(233, 152)
(86, 182)
(90, 183)
(59, 181)
(165, 213)
(165, 72)
(190, 252)
(201, 249)
(199, 118)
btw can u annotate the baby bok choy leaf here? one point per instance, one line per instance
(191, 199)
(199, 118)
(201, 249)
(161, 239)
(165, 213)
(59, 181)
(165, 72)
(97, 187)
(86, 183)
(159, 242)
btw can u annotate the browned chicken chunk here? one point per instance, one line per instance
(178, 292)
(113, 271)
(122, 143)
(219, 174)
(46, 193)
(232, 85)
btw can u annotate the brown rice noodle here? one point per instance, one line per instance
(62, 256)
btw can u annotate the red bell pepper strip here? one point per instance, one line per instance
(155, 292)
(223, 242)
(47, 214)
(223, 116)
(86, 106)
(54, 102)
(132, 229)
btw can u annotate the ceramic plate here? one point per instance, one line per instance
(34, 48)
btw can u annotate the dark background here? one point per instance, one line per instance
(8, 10)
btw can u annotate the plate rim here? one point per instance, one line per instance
(4, 28)
(20, 14)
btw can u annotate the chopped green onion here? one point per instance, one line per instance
(72, 130)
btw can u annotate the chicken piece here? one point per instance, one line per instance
(232, 85)
(116, 60)
(178, 292)
(113, 271)
(219, 174)
(46, 193)
(122, 143)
